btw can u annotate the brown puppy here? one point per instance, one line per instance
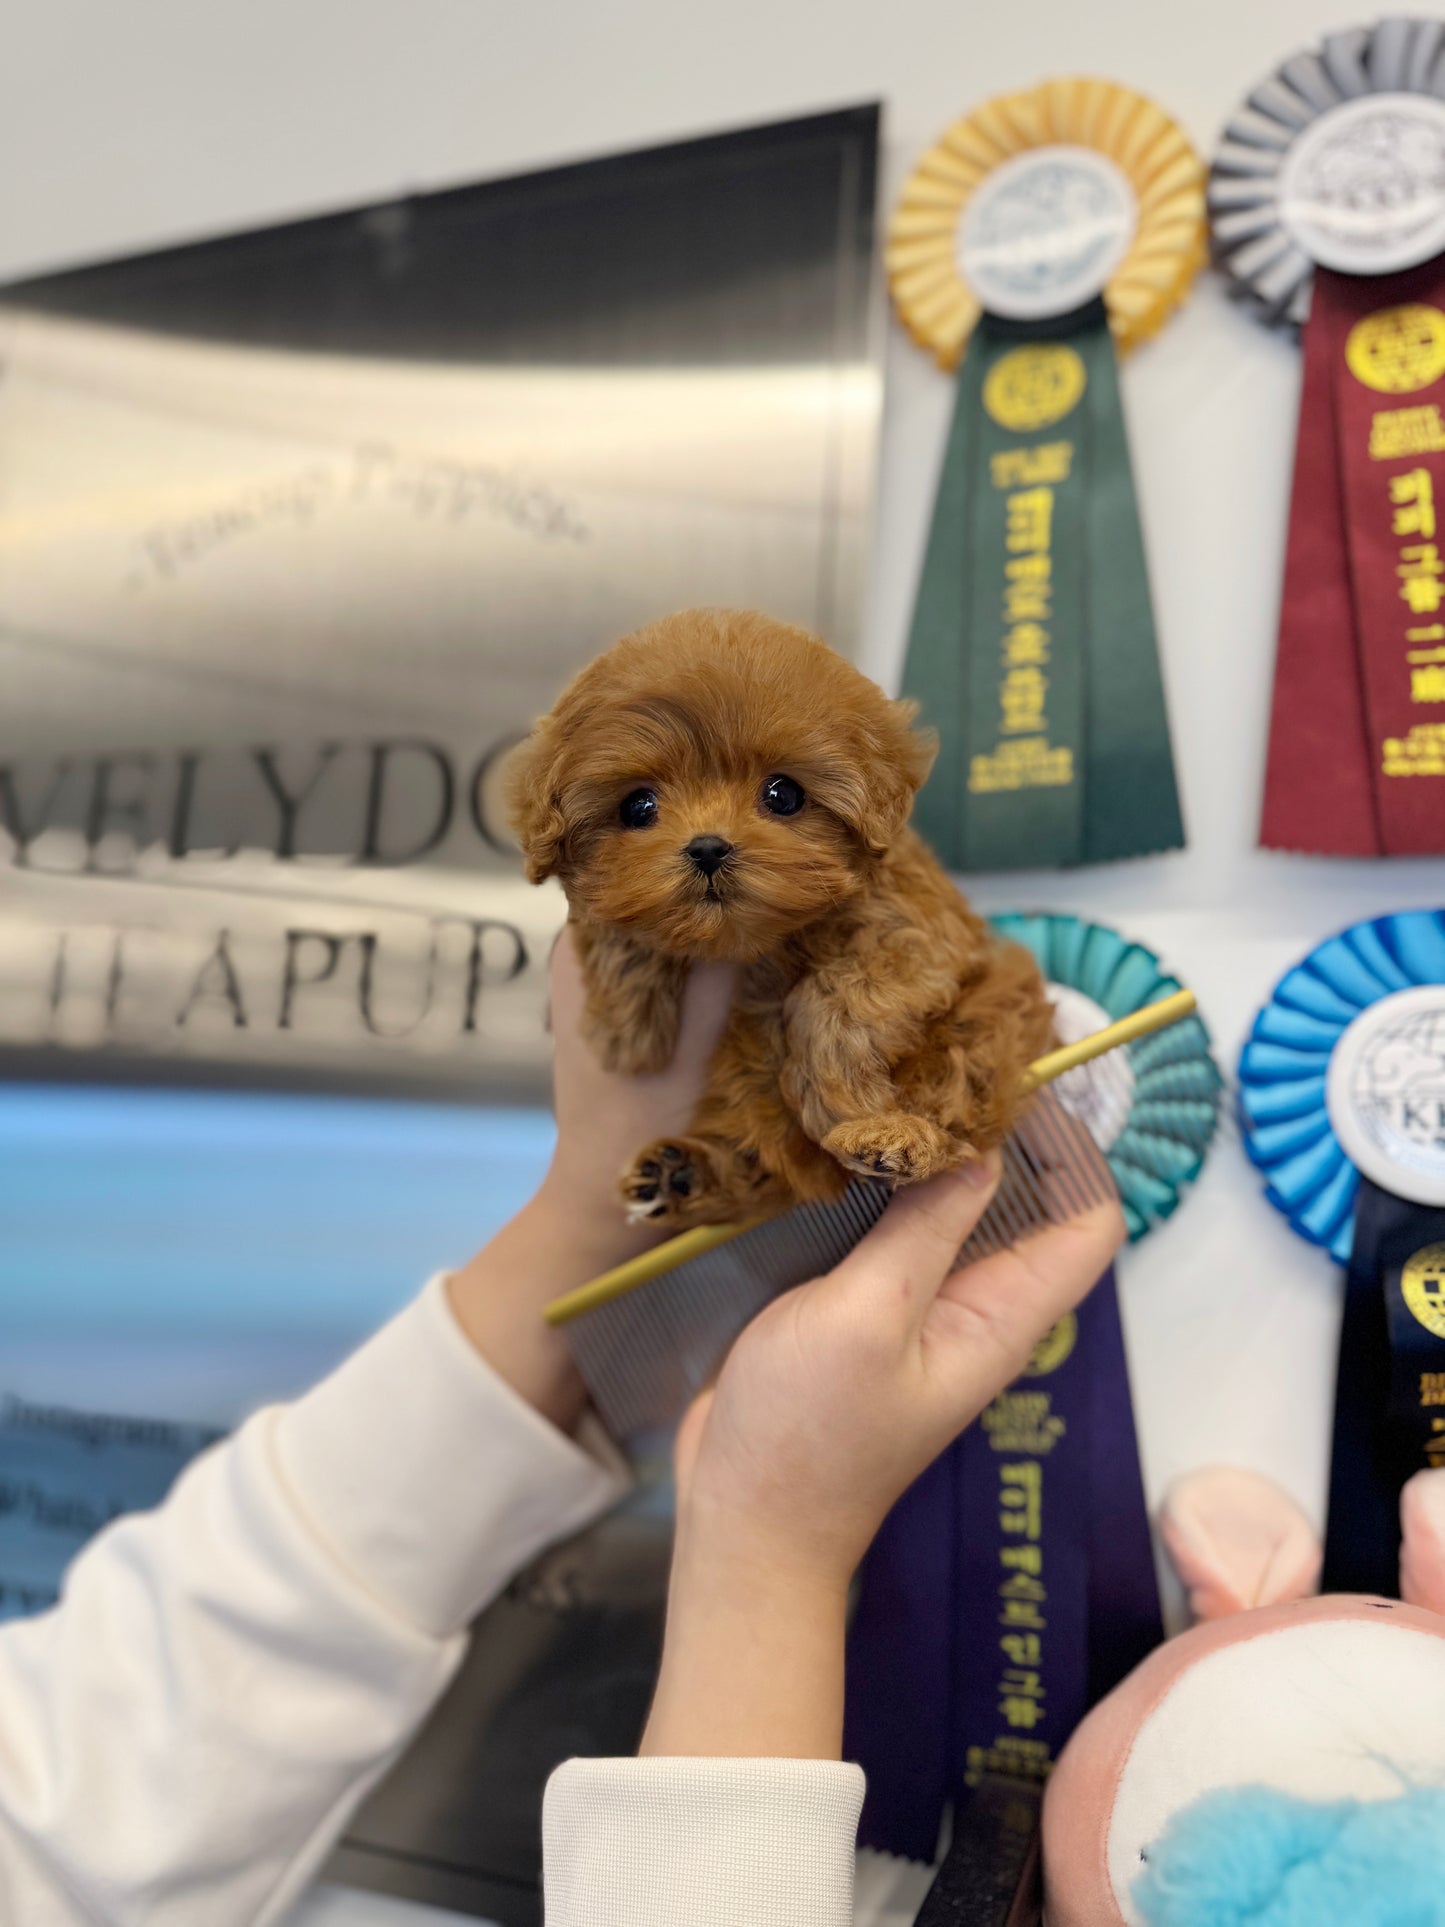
(722, 785)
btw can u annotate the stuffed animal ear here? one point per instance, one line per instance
(1237, 1540)
(1422, 1541)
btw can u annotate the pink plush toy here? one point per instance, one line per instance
(1283, 1762)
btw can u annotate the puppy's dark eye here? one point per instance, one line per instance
(782, 796)
(639, 809)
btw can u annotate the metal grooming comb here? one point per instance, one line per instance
(648, 1336)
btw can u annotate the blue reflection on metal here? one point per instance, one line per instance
(232, 1213)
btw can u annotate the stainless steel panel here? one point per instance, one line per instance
(299, 529)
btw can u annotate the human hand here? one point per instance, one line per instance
(830, 1404)
(574, 1227)
(604, 1117)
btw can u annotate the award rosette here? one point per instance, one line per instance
(1042, 232)
(1013, 1585)
(1327, 209)
(1342, 1098)
(1151, 1107)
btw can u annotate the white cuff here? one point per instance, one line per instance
(428, 1477)
(651, 1843)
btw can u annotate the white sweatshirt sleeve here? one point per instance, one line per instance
(714, 1843)
(183, 1737)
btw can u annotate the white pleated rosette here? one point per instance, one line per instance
(1337, 159)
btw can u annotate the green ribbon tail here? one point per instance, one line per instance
(1131, 798)
(938, 642)
(1032, 650)
(1021, 783)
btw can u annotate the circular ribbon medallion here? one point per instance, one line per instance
(1363, 187)
(1100, 1094)
(1398, 350)
(1039, 201)
(1042, 234)
(1385, 1093)
(1151, 1107)
(1034, 386)
(1422, 1285)
(1336, 158)
(1056, 1345)
(1344, 1072)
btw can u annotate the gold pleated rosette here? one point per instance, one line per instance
(1132, 200)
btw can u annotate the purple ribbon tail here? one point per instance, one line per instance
(1021, 1614)
(1010, 1587)
(1125, 1622)
(899, 1668)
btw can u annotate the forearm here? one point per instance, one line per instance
(752, 1664)
(740, 1808)
(565, 1235)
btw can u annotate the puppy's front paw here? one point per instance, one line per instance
(673, 1178)
(896, 1145)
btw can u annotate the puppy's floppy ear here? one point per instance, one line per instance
(534, 800)
(893, 762)
(918, 748)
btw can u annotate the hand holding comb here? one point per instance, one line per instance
(647, 1335)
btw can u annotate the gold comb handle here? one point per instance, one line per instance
(638, 1271)
(1139, 1023)
(706, 1237)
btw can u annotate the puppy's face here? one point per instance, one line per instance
(714, 783)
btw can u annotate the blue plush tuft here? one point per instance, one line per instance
(1254, 1857)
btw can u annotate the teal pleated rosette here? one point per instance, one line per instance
(1284, 1068)
(1164, 1091)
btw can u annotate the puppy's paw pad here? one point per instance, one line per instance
(895, 1146)
(665, 1179)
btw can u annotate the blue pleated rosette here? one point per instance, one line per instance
(1285, 1064)
(1173, 1105)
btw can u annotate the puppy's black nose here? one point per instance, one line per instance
(707, 853)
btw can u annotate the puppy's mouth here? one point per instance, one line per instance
(719, 888)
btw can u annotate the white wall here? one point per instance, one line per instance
(126, 126)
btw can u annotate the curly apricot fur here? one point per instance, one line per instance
(878, 1027)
